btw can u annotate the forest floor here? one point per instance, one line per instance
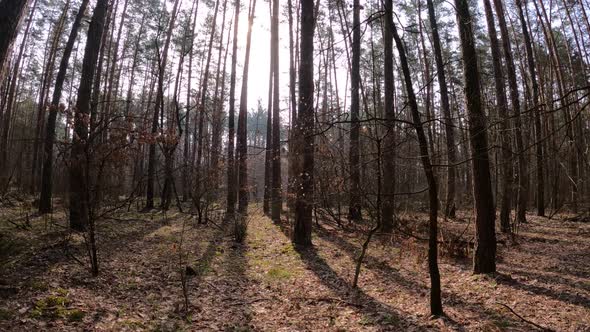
(266, 284)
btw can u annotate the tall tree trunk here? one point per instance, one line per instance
(79, 191)
(427, 82)
(435, 297)
(449, 127)
(43, 96)
(484, 260)
(186, 178)
(202, 107)
(218, 106)
(388, 206)
(47, 177)
(537, 111)
(231, 167)
(292, 105)
(505, 159)
(515, 99)
(268, 142)
(96, 87)
(565, 99)
(304, 130)
(112, 75)
(277, 202)
(158, 105)
(354, 206)
(129, 97)
(242, 147)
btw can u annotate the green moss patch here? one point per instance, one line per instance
(55, 307)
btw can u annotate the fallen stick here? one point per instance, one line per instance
(542, 328)
(328, 299)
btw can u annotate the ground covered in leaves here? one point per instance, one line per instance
(266, 284)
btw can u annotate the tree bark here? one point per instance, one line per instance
(449, 126)
(484, 260)
(276, 200)
(292, 105)
(242, 147)
(515, 99)
(435, 297)
(565, 100)
(231, 167)
(10, 15)
(505, 159)
(388, 206)
(354, 206)
(268, 142)
(79, 191)
(186, 178)
(10, 101)
(202, 108)
(158, 104)
(537, 111)
(218, 106)
(47, 177)
(43, 98)
(304, 130)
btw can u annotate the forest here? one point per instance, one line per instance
(295, 165)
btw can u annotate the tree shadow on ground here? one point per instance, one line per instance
(223, 299)
(563, 296)
(59, 248)
(380, 266)
(205, 260)
(380, 314)
(236, 300)
(481, 313)
(386, 272)
(548, 276)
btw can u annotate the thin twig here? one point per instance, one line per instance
(542, 328)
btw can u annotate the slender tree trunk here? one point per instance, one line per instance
(242, 147)
(435, 297)
(485, 250)
(158, 105)
(129, 98)
(43, 96)
(304, 130)
(96, 86)
(354, 206)
(218, 107)
(202, 107)
(505, 160)
(79, 191)
(292, 105)
(449, 127)
(388, 206)
(268, 142)
(515, 99)
(186, 172)
(537, 111)
(565, 100)
(112, 75)
(231, 167)
(47, 178)
(277, 202)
